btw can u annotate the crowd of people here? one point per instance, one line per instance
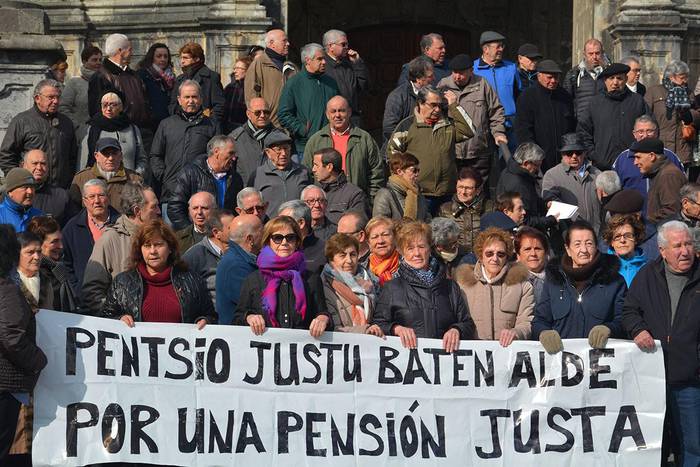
(150, 196)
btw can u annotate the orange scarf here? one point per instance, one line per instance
(384, 268)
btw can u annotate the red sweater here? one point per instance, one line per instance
(160, 302)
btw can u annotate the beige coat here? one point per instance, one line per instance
(507, 303)
(263, 79)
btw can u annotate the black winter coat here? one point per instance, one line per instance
(20, 358)
(519, 180)
(648, 308)
(125, 296)
(212, 91)
(581, 87)
(542, 117)
(195, 177)
(399, 104)
(352, 78)
(250, 302)
(431, 310)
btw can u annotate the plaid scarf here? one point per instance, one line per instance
(426, 276)
(677, 97)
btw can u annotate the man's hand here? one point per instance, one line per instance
(645, 341)
(500, 139)
(451, 97)
(353, 55)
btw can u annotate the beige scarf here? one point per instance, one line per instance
(410, 208)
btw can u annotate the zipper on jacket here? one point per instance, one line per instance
(493, 318)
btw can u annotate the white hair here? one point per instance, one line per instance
(309, 50)
(95, 182)
(308, 188)
(528, 152)
(211, 198)
(331, 36)
(246, 192)
(609, 182)
(111, 96)
(670, 226)
(114, 42)
(191, 83)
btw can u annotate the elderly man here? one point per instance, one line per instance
(401, 102)
(432, 47)
(251, 201)
(315, 198)
(42, 127)
(528, 56)
(342, 195)
(264, 77)
(313, 246)
(85, 228)
(199, 208)
(573, 181)
(193, 68)
(661, 304)
(431, 135)
(279, 179)
(476, 96)
(203, 257)
(115, 75)
(633, 83)
(112, 252)
(108, 167)
(690, 205)
(249, 138)
(48, 198)
(361, 161)
(345, 66)
(245, 234)
(214, 173)
(545, 113)
(180, 138)
(666, 179)
(17, 208)
(581, 82)
(353, 223)
(605, 125)
(305, 96)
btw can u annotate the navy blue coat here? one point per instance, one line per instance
(562, 309)
(234, 267)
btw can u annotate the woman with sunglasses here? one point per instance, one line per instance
(282, 293)
(402, 197)
(501, 299)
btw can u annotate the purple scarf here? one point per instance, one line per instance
(275, 269)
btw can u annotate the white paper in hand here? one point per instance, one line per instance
(563, 210)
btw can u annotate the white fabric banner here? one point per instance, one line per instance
(170, 394)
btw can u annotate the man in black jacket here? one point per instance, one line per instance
(662, 303)
(581, 81)
(544, 113)
(249, 138)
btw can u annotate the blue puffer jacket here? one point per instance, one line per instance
(16, 215)
(504, 79)
(630, 267)
(572, 314)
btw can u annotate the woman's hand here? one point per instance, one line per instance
(256, 323)
(407, 335)
(201, 323)
(318, 326)
(375, 331)
(507, 337)
(450, 340)
(128, 319)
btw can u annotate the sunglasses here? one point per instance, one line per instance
(279, 238)
(500, 254)
(258, 113)
(256, 208)
(572, 153)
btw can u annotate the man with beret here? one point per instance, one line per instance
(479, 100)
(16, 209)
(279, 179)
(432, 46)
(545, 113)
(666, 180)
(528, 56)
(605, 126)
(581, 82)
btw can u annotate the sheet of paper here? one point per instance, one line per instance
(565, 211)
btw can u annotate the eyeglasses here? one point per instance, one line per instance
(342, 44)
(110, 105)
(626, 236)
(256, 208)
(258, 113)
(319, 201)
(499, 254)
(636, 70)
(279, 238)
(93, 197)
(645, 132)
(280, 149)
(52, 97)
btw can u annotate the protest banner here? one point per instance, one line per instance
(171, 394)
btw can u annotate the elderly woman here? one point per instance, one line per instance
(383, 257)
(402, 196)
(500, 297)
(113, 122)
(350, 289)
(532, 248)
(446, 242)
(282, 293)
(420, 301)
(583, 294)
(158, 288)
(623, 234)
(156, 72)
(670, 103)
(20, 358)
(74, 98)
(36, 283)
(235, 107)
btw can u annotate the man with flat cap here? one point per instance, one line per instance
(545, 113)
(528, 56)
(16, 209)
(666, 180)
(476, 96)
(606, 123)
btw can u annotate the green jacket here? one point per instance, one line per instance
(364, 166)
(303, 105)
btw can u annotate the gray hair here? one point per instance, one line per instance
(609, 182)
(44, 83)
(309, 50)
(427, 40)
(299, 210)
(218, 141)
(190, 82)
(308, 188)
(676, 67)
(216, 221)
(211, 197)
(646, 118)
(419, 68)
(424, 92)
(630, 59)
(445, 231)
(132, 197)
(269, 35)
(331, 36)
(528, 152)
(114, 42)
(670, 226)
(246, 192)
(95, 182)
(24, 155)
(689, 191)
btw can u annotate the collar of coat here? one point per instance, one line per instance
(606, 273)
(467, 275)
(443, 122)
(119, 176)
(335, 184)
(113, 68)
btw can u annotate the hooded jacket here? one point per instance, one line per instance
(17, 215)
